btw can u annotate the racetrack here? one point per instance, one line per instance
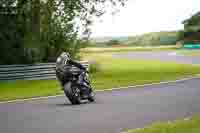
(162, 55)
(113, 112)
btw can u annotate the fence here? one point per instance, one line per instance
(30, 72)
(192, 46)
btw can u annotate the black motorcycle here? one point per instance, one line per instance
(76, 90)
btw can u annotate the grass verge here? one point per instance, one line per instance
(113, 73)
(190, 52)
(179, 126)
(128, 49)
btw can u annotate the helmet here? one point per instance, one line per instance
(63, 58)
(65, 55)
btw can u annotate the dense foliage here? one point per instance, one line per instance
(149, 39)
(113, 42)
(191, 32)
(154, 39)
(38, 30)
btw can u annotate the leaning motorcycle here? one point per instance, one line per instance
(76, 90)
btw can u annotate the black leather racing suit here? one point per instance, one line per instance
(62, 70)
(76, 64)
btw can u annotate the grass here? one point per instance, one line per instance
(190, 52)
(128, 49)
(124, 72)
(26, 89)
(113, 73)
(179, 126)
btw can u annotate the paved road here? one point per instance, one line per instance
(163, 56)
(112, 113)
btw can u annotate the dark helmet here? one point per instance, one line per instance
(63, 58)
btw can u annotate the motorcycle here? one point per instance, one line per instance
(76, 90)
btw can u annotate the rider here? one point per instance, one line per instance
(64, 60)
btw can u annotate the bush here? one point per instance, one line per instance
(113, 42)
(94, 67)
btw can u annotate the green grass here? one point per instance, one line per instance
(179, 126)
(124, 72)
(190, 52)
(113, 73)
(27, 89)
(139, 72)
(128, 49)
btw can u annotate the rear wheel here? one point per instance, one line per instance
(72, 93)
(91, 98)
(76, 95)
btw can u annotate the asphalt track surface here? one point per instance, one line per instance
(162, 56)
(113, 112)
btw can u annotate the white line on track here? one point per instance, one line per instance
(144, 85)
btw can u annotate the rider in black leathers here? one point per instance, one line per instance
(63, 62)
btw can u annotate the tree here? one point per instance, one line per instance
(192, 21)
(191, 31)
(43, 28)
(113, 42)
(11, 33)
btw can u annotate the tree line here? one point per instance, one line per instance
(191, 32)
(38, 30)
